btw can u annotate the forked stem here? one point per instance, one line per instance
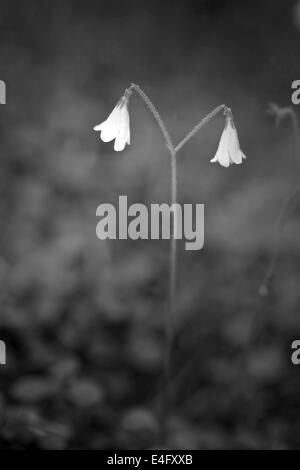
(170, 315)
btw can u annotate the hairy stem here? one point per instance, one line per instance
(201, 124)
(170, 315)
(155, 113)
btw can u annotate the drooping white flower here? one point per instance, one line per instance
(229, 150)
(116, 126)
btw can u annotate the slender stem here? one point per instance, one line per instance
(291, 195)
(155, 113)
(170, 320)
(295, 125)
(170, 317)
(201, 124)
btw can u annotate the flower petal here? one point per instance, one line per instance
(222, 155)
(108, 133)
(109, 127)
(99, 127)
(236, 157)
(128, 130)
(123, 135)
(224, 158)
(119, 144)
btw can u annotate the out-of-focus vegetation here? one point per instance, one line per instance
(83, 319)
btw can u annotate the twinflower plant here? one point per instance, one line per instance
(116, 127)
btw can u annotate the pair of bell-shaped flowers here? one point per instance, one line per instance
(117, 127)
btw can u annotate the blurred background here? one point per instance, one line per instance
(83, 319)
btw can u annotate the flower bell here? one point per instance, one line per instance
(116, 126)
(229, 150)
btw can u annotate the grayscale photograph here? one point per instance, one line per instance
(150, 227)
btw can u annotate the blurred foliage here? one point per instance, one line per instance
(83, 320)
